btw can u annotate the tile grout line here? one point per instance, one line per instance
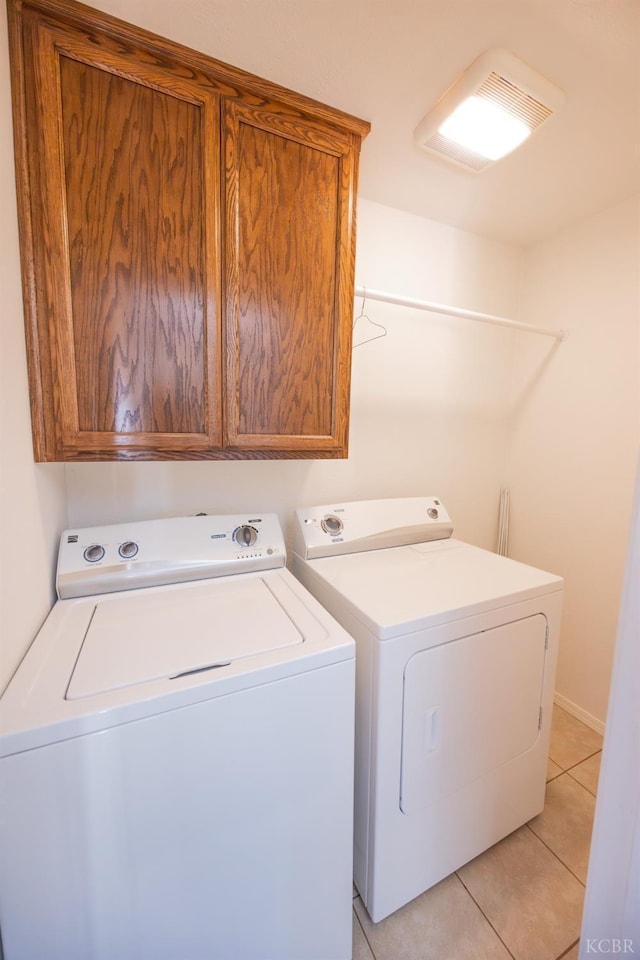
(599, 750)
(557, 776)
(581, 882)
(577, 763)
(512, 955)
(590, 792)
(560, 956)
(572, 767)
(590, 757)
(366, 938)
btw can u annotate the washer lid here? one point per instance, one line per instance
(145, 636)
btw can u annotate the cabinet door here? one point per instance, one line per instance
(289, 248)
(123, 160)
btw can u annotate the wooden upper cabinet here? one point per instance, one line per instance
(289, 195)
(187, 239)
(136, 242)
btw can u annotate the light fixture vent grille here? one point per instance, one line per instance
(454, 151)
(503, 80)
(518, 102)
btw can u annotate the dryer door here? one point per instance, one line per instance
(470, 706)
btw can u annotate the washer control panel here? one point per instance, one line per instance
(95, 560)
(360, 525)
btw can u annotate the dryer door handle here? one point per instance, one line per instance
(432, 729)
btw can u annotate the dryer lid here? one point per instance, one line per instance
(402, 589)
(143, 636)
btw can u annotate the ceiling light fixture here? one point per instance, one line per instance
(489, 111)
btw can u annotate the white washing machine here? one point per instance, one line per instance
(176, 758)
(455, 661)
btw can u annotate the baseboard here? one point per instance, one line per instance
(579, 713)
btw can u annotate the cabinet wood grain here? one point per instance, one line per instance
(289, 191)
(133, 187)
(187, 241)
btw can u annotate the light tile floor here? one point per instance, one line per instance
(521, 899)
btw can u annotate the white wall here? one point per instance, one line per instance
(575, 435)
(429, 401)
(32, 498)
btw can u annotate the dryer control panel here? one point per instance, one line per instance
(94, 560)
(332, 529)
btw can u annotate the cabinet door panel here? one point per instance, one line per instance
(131, 186)
(288, 321)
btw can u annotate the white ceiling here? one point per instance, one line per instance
(388, 61)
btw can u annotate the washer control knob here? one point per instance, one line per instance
(332, 524)
(94, 553)
(245, 535)
(128, 549)
(433, 513)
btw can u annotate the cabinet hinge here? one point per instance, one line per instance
(546, 637)
(540, 718)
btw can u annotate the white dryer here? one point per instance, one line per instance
(176, 760)
(455, 661)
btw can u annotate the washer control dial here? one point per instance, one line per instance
(128, 549)
(94, 553)
(433, 513)
(332, 524)
(245, 535)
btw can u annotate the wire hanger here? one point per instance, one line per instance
(374, 323)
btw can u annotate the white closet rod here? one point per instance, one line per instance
(457, 312)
